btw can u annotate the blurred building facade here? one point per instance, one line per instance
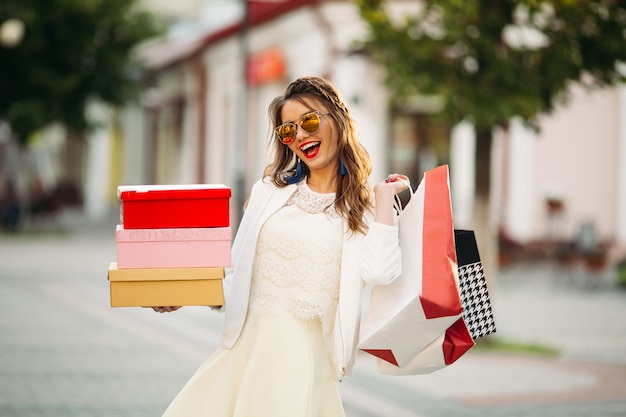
(203, 118)
(571, 175)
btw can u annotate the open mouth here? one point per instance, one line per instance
(310, 149)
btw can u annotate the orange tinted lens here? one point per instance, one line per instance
(286, 132)
(310, 122)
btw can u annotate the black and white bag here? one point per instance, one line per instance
(477, 312)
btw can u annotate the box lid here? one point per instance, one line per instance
(189, 234)
(170, 192)
(163, 274)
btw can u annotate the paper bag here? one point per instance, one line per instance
(477, 311)
(416, 324)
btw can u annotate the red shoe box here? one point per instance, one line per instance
(174, 206)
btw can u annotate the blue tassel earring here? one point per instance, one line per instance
(342, 169)
(294, 179)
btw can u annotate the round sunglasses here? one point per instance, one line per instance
(310, 122)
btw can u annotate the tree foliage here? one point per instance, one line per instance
(72, 51)
(491, 60)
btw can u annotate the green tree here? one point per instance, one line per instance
(493, 60)
(72, 51)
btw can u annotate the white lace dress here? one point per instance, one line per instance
(281, 365)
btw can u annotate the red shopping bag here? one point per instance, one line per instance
(415, 324)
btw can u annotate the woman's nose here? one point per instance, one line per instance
(301, 133)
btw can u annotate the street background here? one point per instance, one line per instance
(457, 85)
(65, 352)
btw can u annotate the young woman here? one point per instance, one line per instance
(312, 234)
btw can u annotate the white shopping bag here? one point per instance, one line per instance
(415, 324)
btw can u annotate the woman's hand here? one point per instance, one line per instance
(166, 309)
(395, 182)
(384, 193)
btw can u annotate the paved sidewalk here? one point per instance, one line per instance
(580, 315)
(64, 352)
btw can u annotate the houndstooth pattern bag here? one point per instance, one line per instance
(477, 311)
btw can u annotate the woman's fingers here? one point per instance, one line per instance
(399, 181)
(165, 309)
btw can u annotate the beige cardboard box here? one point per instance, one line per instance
(150, 287)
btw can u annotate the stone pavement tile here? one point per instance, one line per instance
(521, 380)
(63, 351)
(533, 304)
(487, 384)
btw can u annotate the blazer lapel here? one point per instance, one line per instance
(276, 201)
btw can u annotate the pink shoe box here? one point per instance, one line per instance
(173, 248)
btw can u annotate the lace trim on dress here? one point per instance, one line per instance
(311, 202)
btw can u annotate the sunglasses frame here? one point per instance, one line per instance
(297, 123)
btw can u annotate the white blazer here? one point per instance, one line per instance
(372, 258)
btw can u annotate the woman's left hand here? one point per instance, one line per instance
(393, 182)
(384, 192)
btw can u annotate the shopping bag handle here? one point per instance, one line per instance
(397, 204)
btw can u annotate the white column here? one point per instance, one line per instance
(519, 205)
(462, 169)
(98, 163)
(621, 166)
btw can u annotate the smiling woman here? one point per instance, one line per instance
(312, 234)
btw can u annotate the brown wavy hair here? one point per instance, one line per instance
(353, 197)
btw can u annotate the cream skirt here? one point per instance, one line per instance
(279, 368)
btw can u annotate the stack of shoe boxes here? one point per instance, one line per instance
(173, 243)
